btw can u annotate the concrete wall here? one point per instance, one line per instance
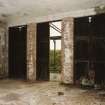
(67, 51)
(3, 50)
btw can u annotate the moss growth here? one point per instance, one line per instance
(100, 9)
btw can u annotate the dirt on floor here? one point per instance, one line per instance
(16, 92)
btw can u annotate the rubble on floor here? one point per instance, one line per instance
(15, 92)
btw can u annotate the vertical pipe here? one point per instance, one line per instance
(54, 53)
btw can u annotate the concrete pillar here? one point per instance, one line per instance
(31, 51)
(67, 50)
(3, 50)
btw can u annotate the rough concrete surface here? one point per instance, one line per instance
(3, 49)
(67, 50)
(16, 92)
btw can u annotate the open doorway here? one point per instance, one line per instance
(48, 53)
(89, 47)
(17, 52)
(42, 53)
(55, 51)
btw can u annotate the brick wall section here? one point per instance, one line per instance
(3, 50)
(31, 51)
(67, 50)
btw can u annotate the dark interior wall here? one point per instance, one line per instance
(89, 46)
(17, 52)
(42, 72)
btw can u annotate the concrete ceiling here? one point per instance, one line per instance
(44, 7)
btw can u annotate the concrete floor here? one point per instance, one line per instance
(16, 92)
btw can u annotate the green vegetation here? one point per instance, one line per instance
(55, 66)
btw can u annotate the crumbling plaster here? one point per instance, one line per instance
(3, 50)
(49, 10)
(67, 74)
(31, 52)
(19, 12)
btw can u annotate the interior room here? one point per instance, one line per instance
(52, 52)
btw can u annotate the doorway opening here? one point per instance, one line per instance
(42, 52)
(89, 47)
(55, 51)
(17, 52)
(48, 51)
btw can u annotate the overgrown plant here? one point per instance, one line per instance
(55, 66)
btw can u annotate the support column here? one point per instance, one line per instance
(31, 51)
(67, 50)
(3, 50)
